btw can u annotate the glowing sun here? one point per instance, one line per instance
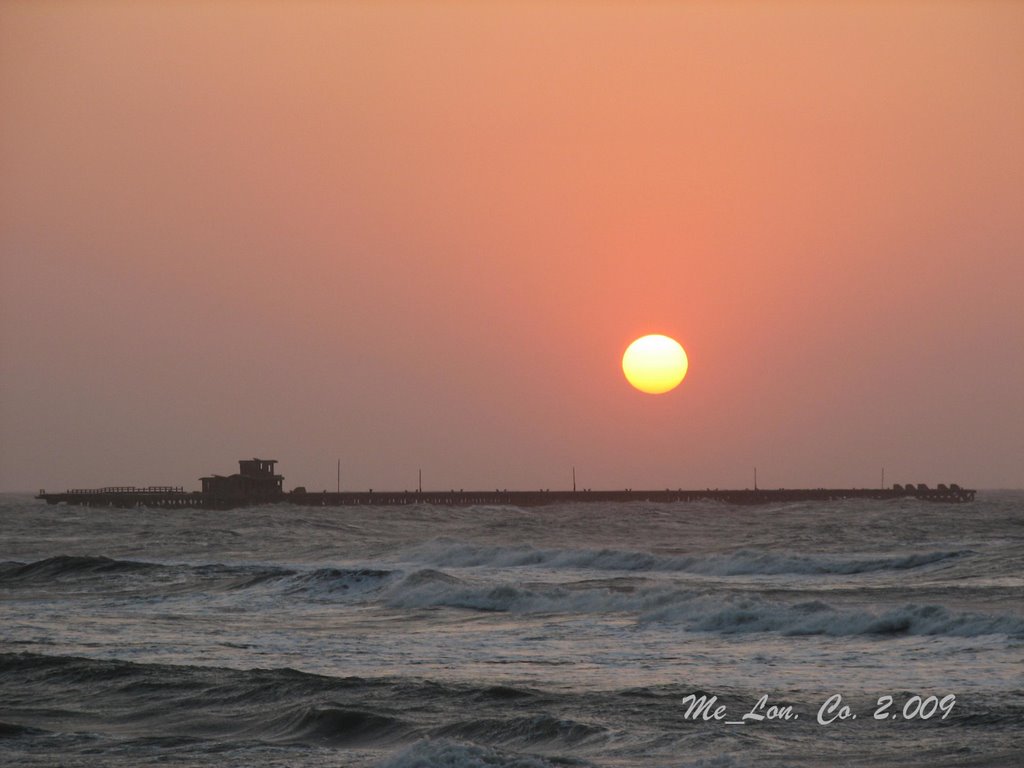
(654, 364)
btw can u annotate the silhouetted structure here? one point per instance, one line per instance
(257, 483)
(255, 480)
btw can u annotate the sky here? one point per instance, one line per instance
(420, 235)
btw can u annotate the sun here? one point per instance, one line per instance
(655, 364)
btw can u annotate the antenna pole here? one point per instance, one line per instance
(339, 475)
(755, 478)
(421, 481)
(883, 478)
(574, 479)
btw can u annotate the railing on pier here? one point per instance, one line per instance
(127, 489)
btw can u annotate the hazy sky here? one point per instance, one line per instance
(411, 235)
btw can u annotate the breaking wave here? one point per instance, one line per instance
(456, 554)
(747, 615)
(698, 611)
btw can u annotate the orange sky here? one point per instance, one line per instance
(422, 234)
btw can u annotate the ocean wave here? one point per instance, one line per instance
(164, 579)
(751, 615)
(334, 724)
(330, 581)
(445, 753)
(146, 579)
(278, 706)
(540, 730)
(161, 703)
(15, 731)
(742, 562)
(66, 566)
(416, 591)
(699, 611)
(266, 690)
(505, 693)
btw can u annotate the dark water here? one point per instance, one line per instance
(565, 635)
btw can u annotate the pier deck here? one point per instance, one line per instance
(176, 497)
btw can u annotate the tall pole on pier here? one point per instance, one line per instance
(755, 478)
(339, 475)
(574, 479)
(883, 478)
(421, 482)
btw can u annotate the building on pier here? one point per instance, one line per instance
(255, 479)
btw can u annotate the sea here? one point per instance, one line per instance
(842, 633)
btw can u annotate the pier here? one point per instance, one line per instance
(257, 483)
(953, 494)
